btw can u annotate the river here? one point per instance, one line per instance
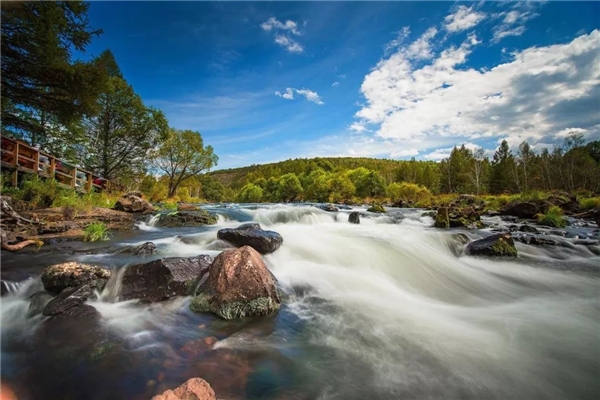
(388, 309)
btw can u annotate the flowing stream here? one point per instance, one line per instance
(388, 309)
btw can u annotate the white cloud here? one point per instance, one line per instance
(308, 94)
(335, 84)
(539, 92)
(402, 35)
(282, 32)
(464, 18)
(290, 45)
(421, 48)
(513, 21)
(504, 32)
(274, 24)
(358, 127)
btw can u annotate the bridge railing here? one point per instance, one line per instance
(18, 157)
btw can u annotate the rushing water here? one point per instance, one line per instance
(388, 309)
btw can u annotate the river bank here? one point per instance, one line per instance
(388, 308)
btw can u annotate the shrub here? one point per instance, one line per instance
(410, 192)
(250, 194)
(40, 193)
(184, 194)
(533, 195)
(95, 231)
(554, 217)
(588, 204)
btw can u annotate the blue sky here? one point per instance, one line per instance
(270, 81)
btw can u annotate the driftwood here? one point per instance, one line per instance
(19, 246)
(10, 215)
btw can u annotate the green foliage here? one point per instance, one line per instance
(288, 187)
(341, 189)
(95, 231)
(533, 195)
(118, 148)
(250, 194)
(43, 90)
(38, 192)
(368, 183)
(183, 156)
(554, 217)
(589, 203)
(410, 192)
(184, 194)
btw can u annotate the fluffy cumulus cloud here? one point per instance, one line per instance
(284, 32)
(463, 18)
(420, 94)
(308, 94)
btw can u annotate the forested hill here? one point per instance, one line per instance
(388, 169)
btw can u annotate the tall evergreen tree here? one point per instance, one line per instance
(502, 169)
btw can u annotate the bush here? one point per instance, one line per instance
(250, 194)
(95, 231)
(410, 192)
(588, 204)
(533, 195)
(39, 193)
(554, 217)
(184, 194)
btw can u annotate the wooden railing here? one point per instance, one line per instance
(20, 157)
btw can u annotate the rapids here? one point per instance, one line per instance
(388, 309)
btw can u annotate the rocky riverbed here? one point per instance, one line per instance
(323, 302)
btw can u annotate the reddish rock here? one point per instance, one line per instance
(239, 284)
(193, 389)
(187, 207)
(133, 202)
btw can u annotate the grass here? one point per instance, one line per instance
(95, 231)
(554, 217)
(589, 203)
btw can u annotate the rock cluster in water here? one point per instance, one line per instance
(59, 277)
(252, 235)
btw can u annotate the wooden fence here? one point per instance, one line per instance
(19, 157)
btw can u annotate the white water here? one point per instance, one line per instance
(404, 315)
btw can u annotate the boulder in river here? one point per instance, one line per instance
(329, 208)
(498, 245)
(187, 218)
(187, 207)
(142, 249)
(239, 284)
(251, 234)
(354, 217)
(162, 279)
(528, 228)
(376, 208)
(133, 202)
(67, 299)
(442, 219)
(193, 389)
(524, 209)
(57, 278)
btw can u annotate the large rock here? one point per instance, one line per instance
(354, 217)
(442, 219)
(523, 209)
(329, 208)
(57, 278)
(193, 389)
(181, 219)
(239, 284)
(67, 299)
(187, 207)
(376, 208)
(162, 279)
(252, 235)
(142, 249)
(133, 202)
(499, 245)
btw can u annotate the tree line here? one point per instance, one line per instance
(85, 112)
(573, 165)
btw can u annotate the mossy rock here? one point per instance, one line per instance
(442, 220)
(376, 208)
(204, 303)
(499, 245)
